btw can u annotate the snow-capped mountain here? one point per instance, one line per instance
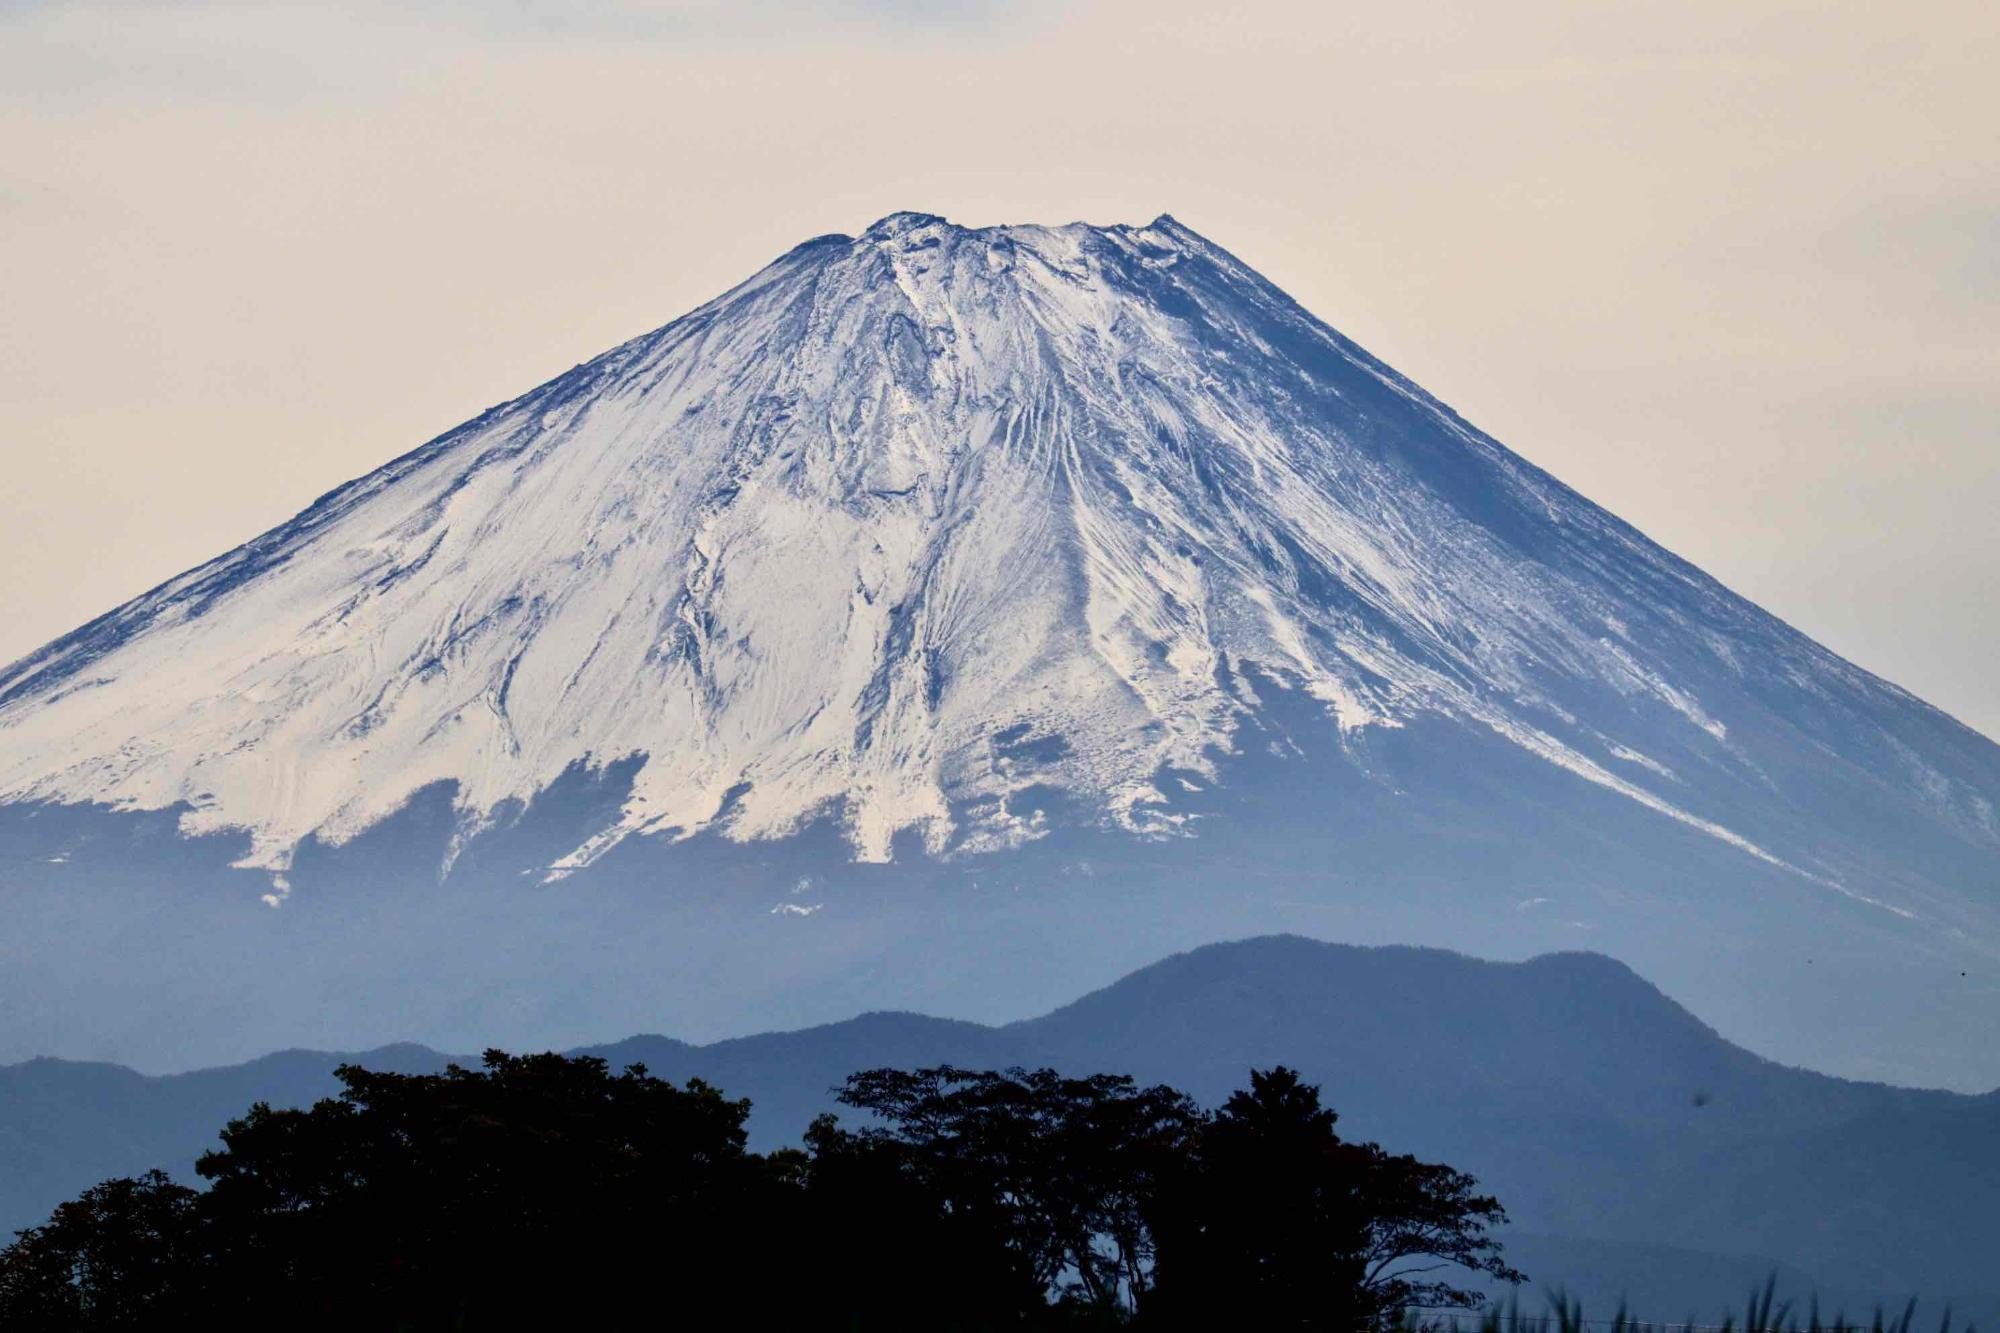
(970, 543)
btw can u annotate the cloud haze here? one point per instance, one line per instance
(1728, 269)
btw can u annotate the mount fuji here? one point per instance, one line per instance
(958, 618)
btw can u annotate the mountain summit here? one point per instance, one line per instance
(973, 543)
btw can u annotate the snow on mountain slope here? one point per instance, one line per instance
(915, 525)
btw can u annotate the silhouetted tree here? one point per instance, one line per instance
(123, 1255)
(1425, 1220)
(1276, 1221)
(1060, 1170)
(536, 1188)
(881, 1248)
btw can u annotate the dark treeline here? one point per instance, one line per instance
(546, 1191)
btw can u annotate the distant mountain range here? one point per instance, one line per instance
(1637, 1151)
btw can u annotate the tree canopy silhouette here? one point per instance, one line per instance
(1060, 1172)
(1279, 1222)
(548, 1191)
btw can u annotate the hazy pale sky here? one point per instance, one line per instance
(1730, 268)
